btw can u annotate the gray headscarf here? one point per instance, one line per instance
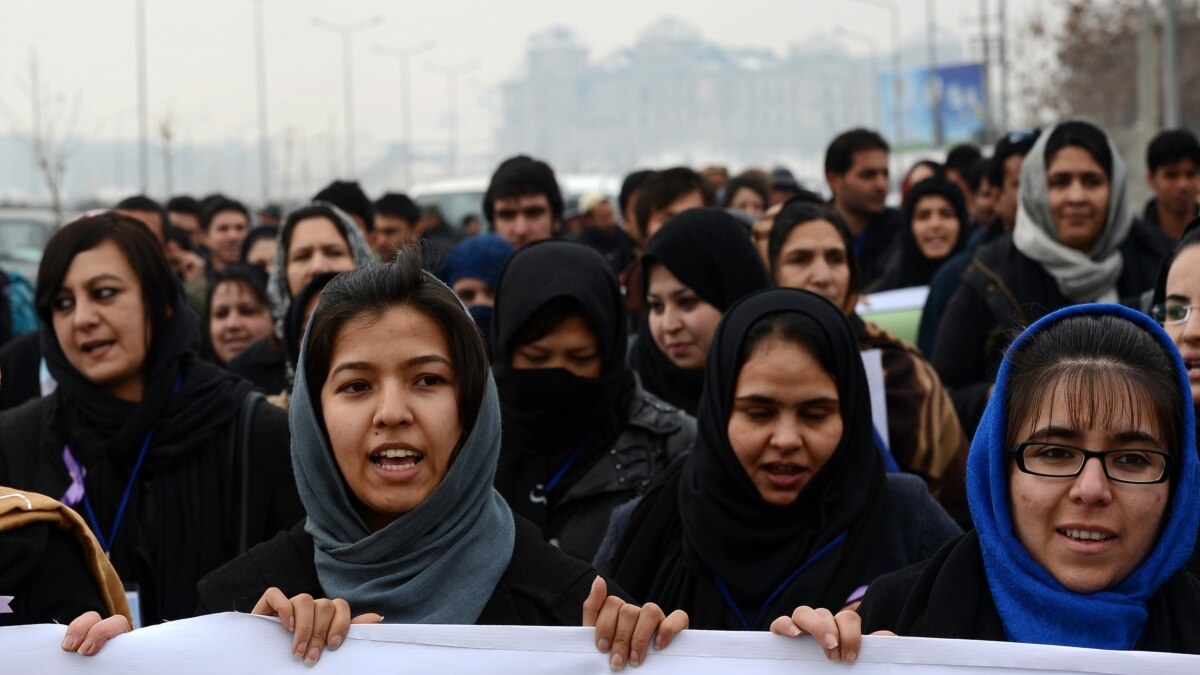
(1082, 277)
(277, 286)
(438, 563)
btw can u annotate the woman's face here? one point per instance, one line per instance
(681, 323)
(786, 422)
(746, 199)
(475, 292)
(1079, 191)
(571, 345)
(317, 246)
(390, 405)
(236, 319)
(814, 258)
(261, 253)
(100, 321)
(935, 226)
(1183, 288)
(1088, 532)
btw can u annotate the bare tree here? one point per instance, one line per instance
(49, 132)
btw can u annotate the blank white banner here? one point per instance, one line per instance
(236, 643)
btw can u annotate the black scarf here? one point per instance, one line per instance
(705, 519)
(709, 252)
(179, 505)
(556, 424)
(908, 267)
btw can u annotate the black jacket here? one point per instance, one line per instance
(541, 587)
(1002, 292)
(947, 596)
(41, 568)
(259, 472)
(20, 361)
(875, 244)
(264, 364)
(655, 433)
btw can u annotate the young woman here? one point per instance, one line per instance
(934, 220)
(1075, 240)
(238, 312)
(317, 238)
(784, 495)
(174, 467)
(810, 248)
(697, 265)
(746, 195)
(1085, 492)
(581, 436)
(472, 270)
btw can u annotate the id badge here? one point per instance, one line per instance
(134, 595)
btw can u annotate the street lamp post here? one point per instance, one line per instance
(405, 58)
(264, 149)
(897, 80)
(143, 111)
(452, 74)
(347, 31)
(842, 31)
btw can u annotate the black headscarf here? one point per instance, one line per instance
(709, 251)
(908, 266)
(550, 415)
(706, 521)
(186, 403)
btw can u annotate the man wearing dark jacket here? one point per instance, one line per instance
(1173, 173)
(856, 168)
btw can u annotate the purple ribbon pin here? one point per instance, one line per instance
(4, 600)
(74, 493)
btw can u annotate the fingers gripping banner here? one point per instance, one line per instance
(237, 643)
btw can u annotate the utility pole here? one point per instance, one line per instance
(932, 82)
(347, 31)
(405, 58)
(452, 74)
(1170, 66)
(264, 149)
(988, 131)
(1003, 44)
(876, 109)
(897, 78)
(143, 111)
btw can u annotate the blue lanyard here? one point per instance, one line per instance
(774, 594)
(539, 493)
(889, 462)
(106, 542)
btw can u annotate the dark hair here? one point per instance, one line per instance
(221, 205)
(250, 277)
(139, 246)
(938, 170)
(743, 182)
(372, 291)
(184, 204)
(1018, 142)
(796, 328)
(632, 183)
(839, 156)
(978, 171)
(665, 187)
(799, 211)
(310, 211)
(254, 235)
(546, 319)
(398, 205)
(936, 186)
(349, 197)
(1170, 146)
(144, 203)
(1190, 238)
(961, 158)
(178, 237)
(522, 176)
(1083, 135)
(1108, 363)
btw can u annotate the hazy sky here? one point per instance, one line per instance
(201, 71)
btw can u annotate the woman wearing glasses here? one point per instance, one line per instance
(1066, 550)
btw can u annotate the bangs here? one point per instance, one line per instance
(1096, 394)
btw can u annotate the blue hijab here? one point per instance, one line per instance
(1033, 606)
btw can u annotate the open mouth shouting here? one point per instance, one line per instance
(396, 461)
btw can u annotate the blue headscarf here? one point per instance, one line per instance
(1033, 606)
(481, 257)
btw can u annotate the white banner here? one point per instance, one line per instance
(236, 643)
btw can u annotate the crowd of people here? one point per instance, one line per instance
(644, 413)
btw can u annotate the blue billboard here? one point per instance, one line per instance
(960, 114)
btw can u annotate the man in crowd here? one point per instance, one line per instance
(959, 162)
(225, 225)
(148, 211)
(349, 197)
(1173, 165)
(856, 168)
(667, 193)
(600, 231)
(183, 212)
(396, 220)
(523, 201)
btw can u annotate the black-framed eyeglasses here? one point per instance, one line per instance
(1172, 312)
(1055, 460)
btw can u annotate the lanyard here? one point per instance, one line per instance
(741, 617)
(106, 542)
(540, 492)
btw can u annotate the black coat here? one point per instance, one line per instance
(541, 587)
(31, 458)
(947, 596)
(41, 568)
(20, 361)
(1002, 292)
(875, 244)
(264, 364)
